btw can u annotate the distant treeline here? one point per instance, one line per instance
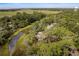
(52, 9)
(9, 9)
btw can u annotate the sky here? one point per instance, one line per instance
(38, 5)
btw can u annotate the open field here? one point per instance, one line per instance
(10, 13)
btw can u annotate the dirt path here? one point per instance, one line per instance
(14, 41)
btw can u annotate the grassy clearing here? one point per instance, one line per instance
(4, 50)
(5, 13)
(10, 13)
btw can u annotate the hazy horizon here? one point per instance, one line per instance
(38, 5)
